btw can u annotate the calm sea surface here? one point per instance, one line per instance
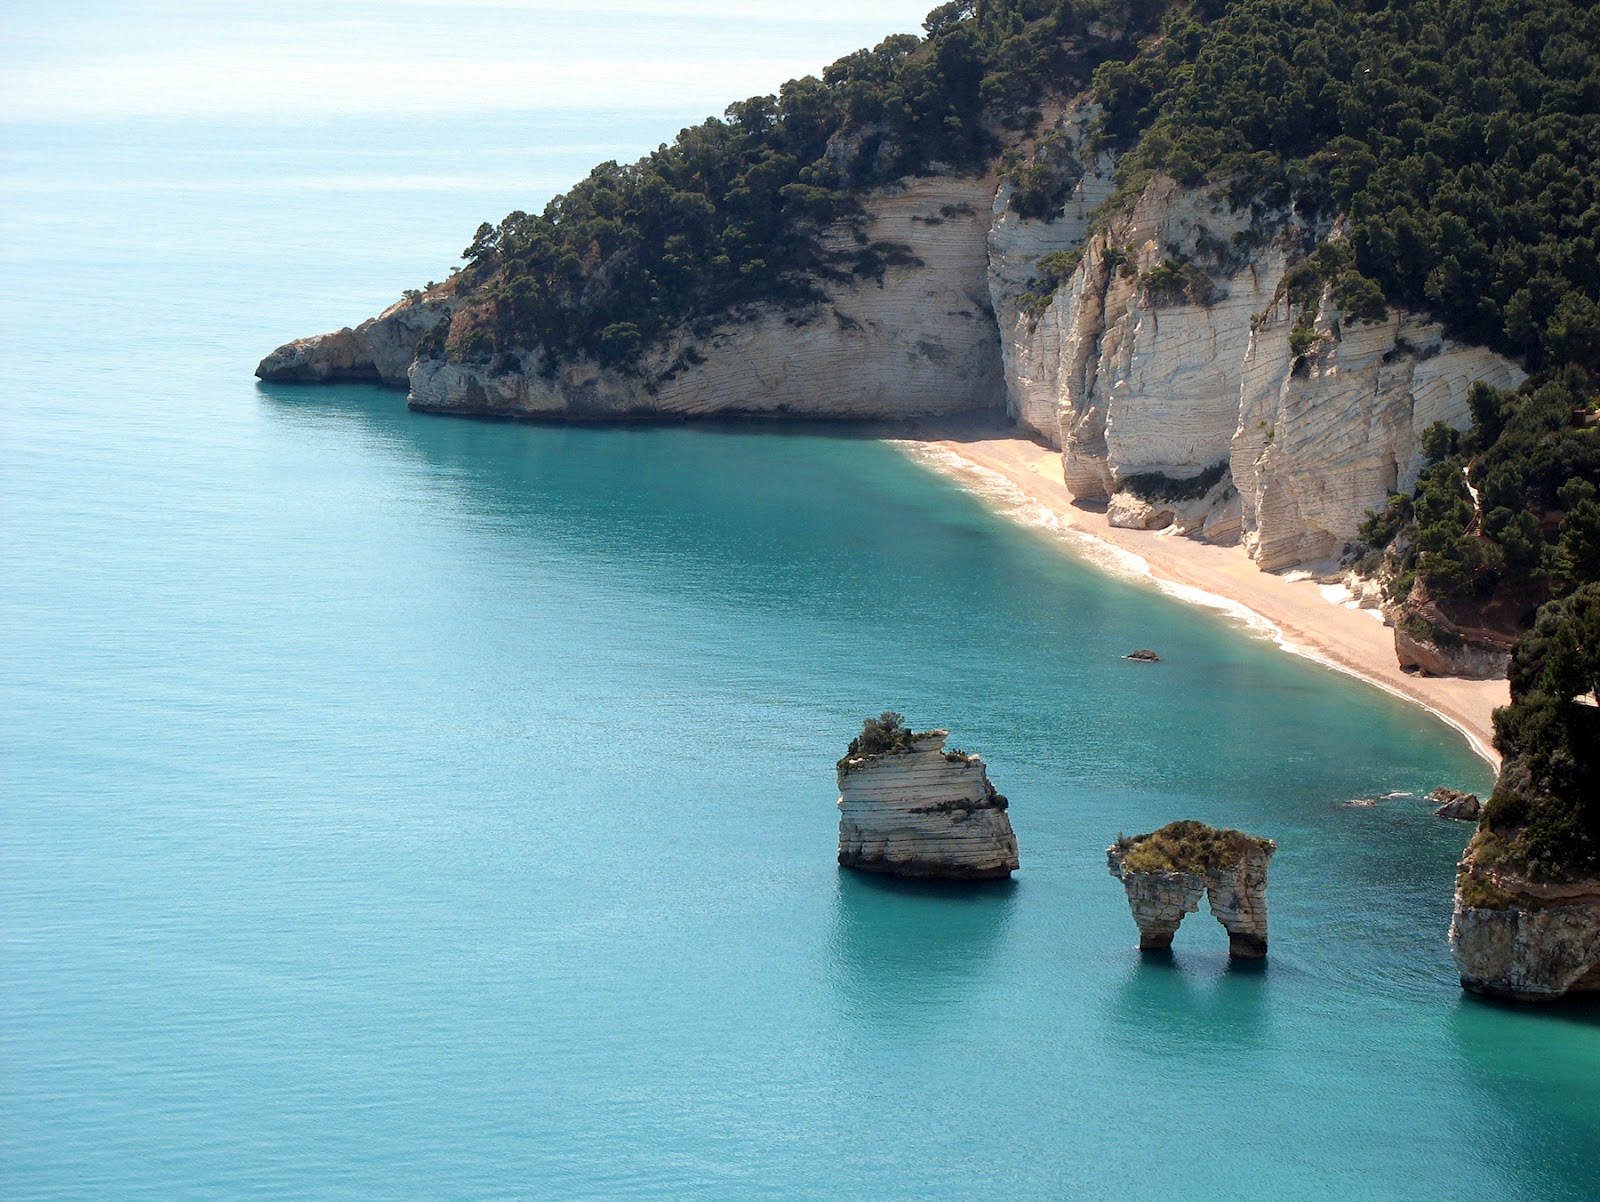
(397, 807)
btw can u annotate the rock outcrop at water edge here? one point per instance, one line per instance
(920, 341)
(380, 350)
(1453, 803)
(922, 811)
(1517, 938)
(1166, 872)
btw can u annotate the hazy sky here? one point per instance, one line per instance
(77, 59)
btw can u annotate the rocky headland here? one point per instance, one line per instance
(1192, 407)
(914, 809)
(1166, 872)
(1519, 938)
(1183, 407)
(1527, 902)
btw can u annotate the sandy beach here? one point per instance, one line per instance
(1291, 606)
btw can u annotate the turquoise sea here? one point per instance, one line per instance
(398, 807)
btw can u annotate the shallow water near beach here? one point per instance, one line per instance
(404, 807)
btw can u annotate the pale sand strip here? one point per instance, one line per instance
(1293, 611)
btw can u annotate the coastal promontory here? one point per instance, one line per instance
(908, 807)
(1527, 902)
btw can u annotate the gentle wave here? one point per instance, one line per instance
(1012, 502)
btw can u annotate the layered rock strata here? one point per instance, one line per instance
(1234, 884)
(925, 812)
(1516, 938)
(921, 341)
(1174, 353)
(1138, 373)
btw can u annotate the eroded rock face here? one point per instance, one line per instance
(1159, 900)
(1438, 646)
(380, 349)
(1236, 893)
(1473, 660)
(1128, 380)
(924, 813)
(1536, 943)
(920, 342)
(1032, 344)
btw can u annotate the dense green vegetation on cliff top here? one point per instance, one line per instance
(1440, 153)
(731, 212)
(1457, 137)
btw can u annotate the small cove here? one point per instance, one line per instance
(399, 806)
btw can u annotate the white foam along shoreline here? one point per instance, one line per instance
(1009, 500)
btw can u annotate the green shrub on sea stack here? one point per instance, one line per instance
(1188, 846)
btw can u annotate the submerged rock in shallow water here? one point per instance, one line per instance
(921, 811)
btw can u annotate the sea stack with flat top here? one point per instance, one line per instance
(908, 807)
(1165, 873)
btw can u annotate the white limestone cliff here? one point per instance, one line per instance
(1538, 942)
(1149, 383)
(1286, 451)
(924, 812)
(1016, 244)
(920, 342)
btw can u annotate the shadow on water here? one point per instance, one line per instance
(900, 944)
(748, 513)
(960, 427)
(1534, 1067)
(1191, 1003)
(1580, 1011)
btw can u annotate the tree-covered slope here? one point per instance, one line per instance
(1458, 136)
(730, 213)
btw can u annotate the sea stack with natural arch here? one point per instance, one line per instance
(1166, 872)
(908, 807)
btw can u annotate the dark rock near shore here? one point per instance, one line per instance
(1453, 803)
